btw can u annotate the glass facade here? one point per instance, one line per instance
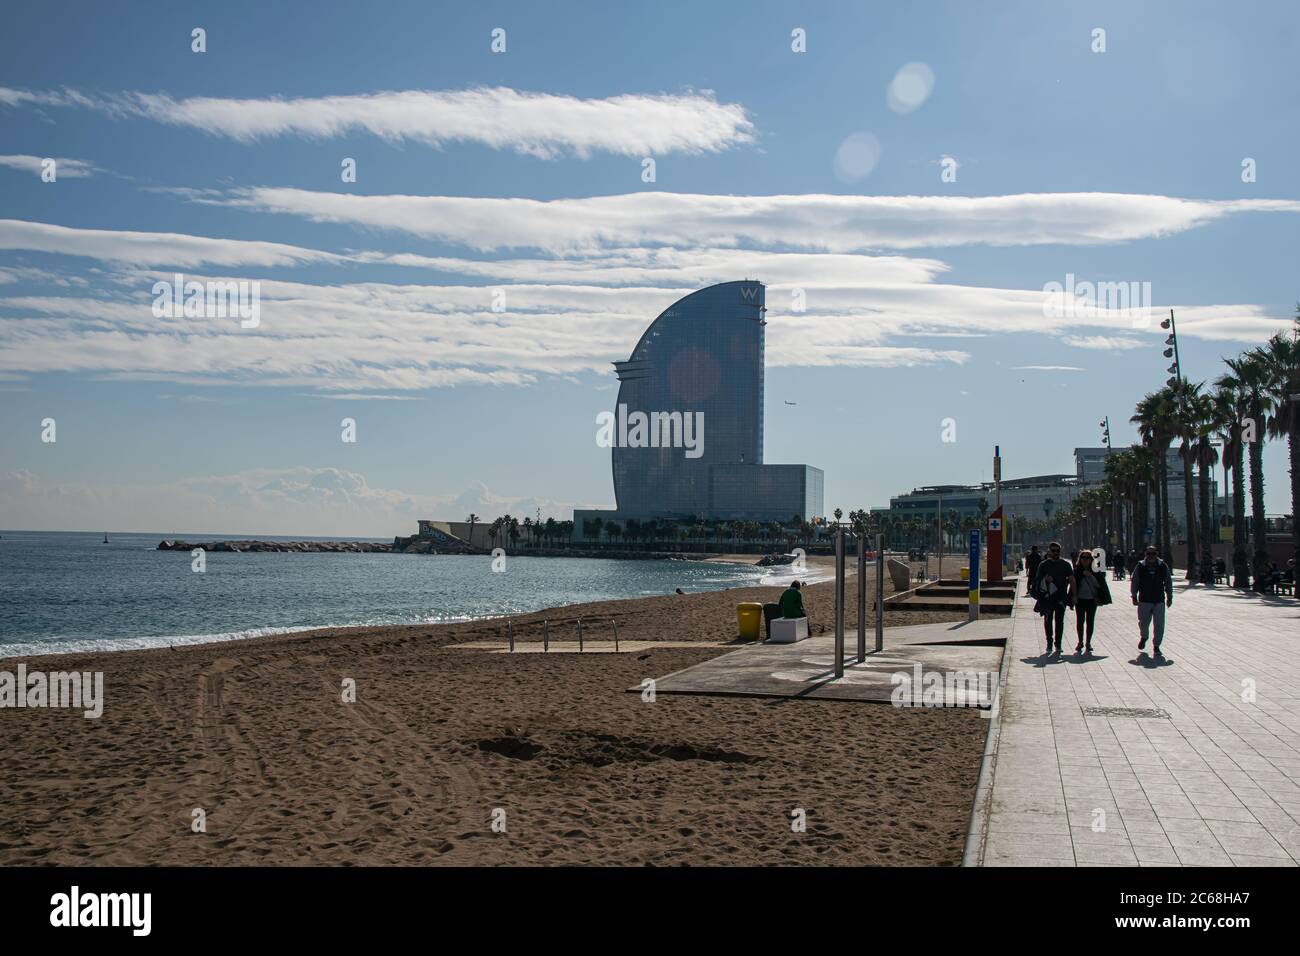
(701, 362)
(766, 492)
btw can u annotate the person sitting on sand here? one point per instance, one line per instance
(792, 601)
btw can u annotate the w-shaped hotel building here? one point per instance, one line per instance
(686, 434)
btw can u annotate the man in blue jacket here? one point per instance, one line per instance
(1152, 588)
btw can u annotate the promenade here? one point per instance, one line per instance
(1120, 760)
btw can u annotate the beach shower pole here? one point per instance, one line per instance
(615, 623)
(839, 601)
(880, 592)
(546, 636)
(579, 635)
(510, 633)
(862, 596)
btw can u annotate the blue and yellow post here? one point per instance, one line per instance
(974, 575)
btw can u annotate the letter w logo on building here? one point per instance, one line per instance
(750, 294)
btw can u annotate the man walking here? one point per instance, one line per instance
(1032, 560)
(1152, 588)
(1052, 585)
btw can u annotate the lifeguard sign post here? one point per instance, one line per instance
(974, 574)
(995, 545)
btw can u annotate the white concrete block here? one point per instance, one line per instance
(789, 630)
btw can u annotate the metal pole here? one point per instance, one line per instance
(510, 633)
(615, 623)
(862, 597)
(839, 602)
(579, 635)
(546, 636)
(880, 592)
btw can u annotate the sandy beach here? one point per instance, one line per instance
(442, 740)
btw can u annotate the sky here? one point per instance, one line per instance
(909, 181)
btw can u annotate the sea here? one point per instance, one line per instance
(63, 592)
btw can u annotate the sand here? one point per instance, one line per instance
(441, 740)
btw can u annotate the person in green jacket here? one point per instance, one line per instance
(792, 601)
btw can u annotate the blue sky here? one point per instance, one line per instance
(1115, 166)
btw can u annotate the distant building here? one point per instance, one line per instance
(1040, 497)
(686, 431)
(1091, 468)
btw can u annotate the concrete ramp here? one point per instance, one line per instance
(938, 659)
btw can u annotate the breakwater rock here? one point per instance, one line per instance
(277, 546)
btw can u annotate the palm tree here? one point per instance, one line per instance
(1155, 418)
(1120, 482)
(721, 530)
(1203, 416)
(1229, 404)
(1186, 397)
(1281, 356)
(1251, 373)
(473, 520)
(1144, 477)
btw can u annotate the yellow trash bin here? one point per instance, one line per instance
(965, 574)
(749, 620)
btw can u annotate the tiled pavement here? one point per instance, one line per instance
(1216, 782)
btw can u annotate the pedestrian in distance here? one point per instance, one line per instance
(1032, 560)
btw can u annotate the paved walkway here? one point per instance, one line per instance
(1193, 770)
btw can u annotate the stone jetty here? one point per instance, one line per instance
(278, 546)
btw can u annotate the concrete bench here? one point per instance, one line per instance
(789, 630)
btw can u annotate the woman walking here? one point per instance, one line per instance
(1088, 591)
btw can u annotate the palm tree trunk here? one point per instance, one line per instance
(1257, 493)
(1207, 522)
(1240, 556)
(1190, 501)
(1293, 443)
(1166, 537)
(1160, 491)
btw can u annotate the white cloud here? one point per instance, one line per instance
(539, 124)
(1047, 368)
(380, 340)
(153, 248)
(822, 222)
(63, 168)
(683, 267)
(564, 316)
(1104, 342)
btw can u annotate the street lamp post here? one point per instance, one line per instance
(1176, 378)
